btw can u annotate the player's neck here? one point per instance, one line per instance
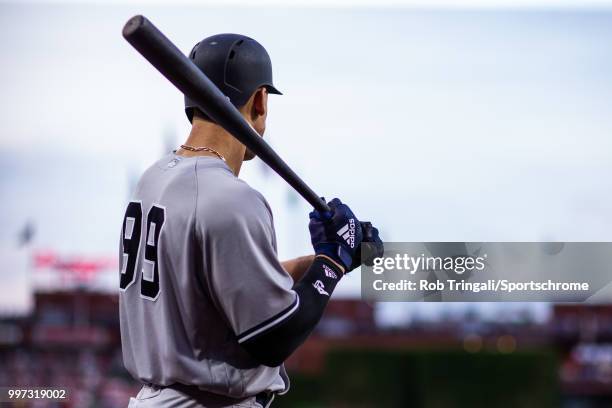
(207, 134)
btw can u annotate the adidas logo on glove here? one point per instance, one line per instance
(348, 232)
(329, 272)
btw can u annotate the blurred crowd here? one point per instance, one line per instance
(91, 378)
(71, 341)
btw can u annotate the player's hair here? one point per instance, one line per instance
(197, 113)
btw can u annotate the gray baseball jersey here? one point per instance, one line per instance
(199, 273)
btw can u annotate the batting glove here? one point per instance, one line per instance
(336, 234)
(371, 246)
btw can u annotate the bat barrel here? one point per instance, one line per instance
(189, 79)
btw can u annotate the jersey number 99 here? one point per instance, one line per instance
(130, 236)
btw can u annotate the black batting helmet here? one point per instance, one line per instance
(237, 64)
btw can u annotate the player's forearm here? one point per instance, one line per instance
(273, 346)
(298, 266)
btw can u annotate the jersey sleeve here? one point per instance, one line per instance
(246, 279)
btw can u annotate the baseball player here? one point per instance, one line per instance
(208, 313)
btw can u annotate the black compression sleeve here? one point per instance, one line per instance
(273, 345)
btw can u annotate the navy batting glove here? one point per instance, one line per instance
(336, 234)
(371, 246)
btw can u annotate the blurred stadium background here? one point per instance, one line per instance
(441, 121)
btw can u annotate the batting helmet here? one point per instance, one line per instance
(237, 64)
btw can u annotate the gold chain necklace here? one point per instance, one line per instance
(203, 149)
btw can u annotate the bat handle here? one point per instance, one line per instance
(321, 206)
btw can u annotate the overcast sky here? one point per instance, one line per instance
(584, 4)
(437, 125)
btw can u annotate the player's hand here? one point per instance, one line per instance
(336, 234)
(371, 246)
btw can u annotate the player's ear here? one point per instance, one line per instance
(260, 102)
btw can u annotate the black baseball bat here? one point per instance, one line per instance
(187, 77)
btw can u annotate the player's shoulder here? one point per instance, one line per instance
(222, 195)
(235, 198)
(151, 174)
(169, 176)
(169, 164)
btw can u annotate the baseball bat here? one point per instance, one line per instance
(187, 77)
